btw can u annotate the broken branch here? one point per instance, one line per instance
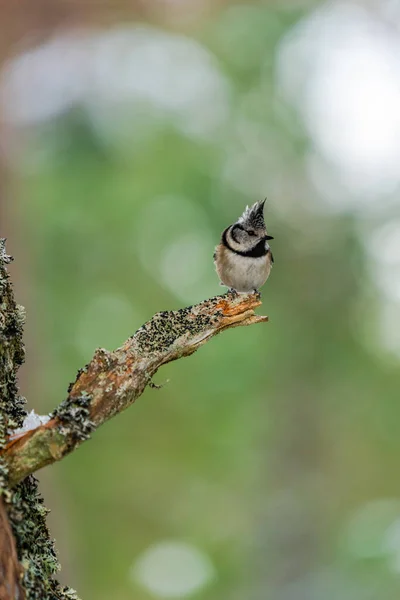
(114, 380)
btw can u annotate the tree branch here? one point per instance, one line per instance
(113, 380)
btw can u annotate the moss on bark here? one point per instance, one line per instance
(24, 504)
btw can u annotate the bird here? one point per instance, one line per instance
(243, 258)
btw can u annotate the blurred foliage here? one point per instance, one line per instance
(260, 449)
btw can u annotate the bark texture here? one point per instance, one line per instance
(28, 559)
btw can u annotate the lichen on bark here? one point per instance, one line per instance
(36, 561)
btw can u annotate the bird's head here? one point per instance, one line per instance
(250, 229)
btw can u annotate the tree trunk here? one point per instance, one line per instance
(28, 559)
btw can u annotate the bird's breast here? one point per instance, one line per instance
(243, 273)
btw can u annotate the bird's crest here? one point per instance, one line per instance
(253, 216)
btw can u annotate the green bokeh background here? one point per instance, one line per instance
(272, 448)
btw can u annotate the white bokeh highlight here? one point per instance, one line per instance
(104, 322)
(367, 530)
(173, 569)
(389, 328)
(347, 90)
(382, 247)
(391, 543)
(185, 265)
(172, 237)
(374, 532)
(115, 74)
(33, 87)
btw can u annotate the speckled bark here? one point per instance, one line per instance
(27, 556)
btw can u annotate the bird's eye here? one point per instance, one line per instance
(250, 232)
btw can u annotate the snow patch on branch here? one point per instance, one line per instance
(31, 421)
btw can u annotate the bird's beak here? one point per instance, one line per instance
(269, 237)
